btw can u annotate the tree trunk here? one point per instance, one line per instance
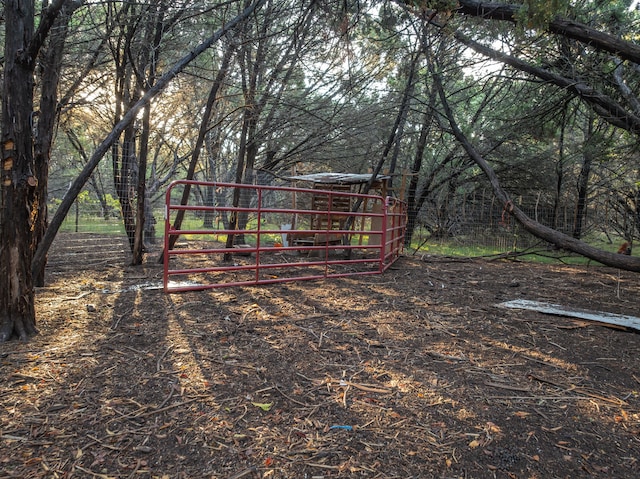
(412, 206)
(213, 146)
(402, 117)
(141, 196)
(583, 183)
(560, 169)
(149, 59)
(250, 69)
(248, 149)
(126, 178)
(18, 205)
(394, 136)
(50, 60)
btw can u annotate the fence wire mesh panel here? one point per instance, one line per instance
(275, 234)
(468, 225)
(477, 224)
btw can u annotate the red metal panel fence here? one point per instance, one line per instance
(277, 234)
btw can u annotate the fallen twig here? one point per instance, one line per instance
(245, 473)
(93, 474)
(164, 355)
(506, 386)
(80, 296)
(291, 399)
(364, 387)
(579, 390)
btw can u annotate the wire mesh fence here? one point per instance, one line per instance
(476, 225)
(479, 225)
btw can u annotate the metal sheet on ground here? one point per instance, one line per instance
(559, 310)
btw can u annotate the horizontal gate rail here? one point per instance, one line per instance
(278, 234)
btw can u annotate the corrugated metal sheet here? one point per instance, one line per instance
(337, 178)
(558, 310)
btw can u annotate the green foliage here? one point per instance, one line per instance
(456, 250)
(92, 224)
(452, 249)
(438, 5)
(538, 13)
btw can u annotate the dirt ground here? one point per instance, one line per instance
(416, 373)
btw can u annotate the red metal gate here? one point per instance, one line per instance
(275, 235)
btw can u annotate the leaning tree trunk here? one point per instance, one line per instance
(605, 42)
(629, 263)
(18, 208)
(202, 132)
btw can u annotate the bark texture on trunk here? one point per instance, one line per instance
(18, 204)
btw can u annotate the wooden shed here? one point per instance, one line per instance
(339, 183)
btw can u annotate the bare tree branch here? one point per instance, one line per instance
(559, 26)
(46, 22)
(603, 105)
